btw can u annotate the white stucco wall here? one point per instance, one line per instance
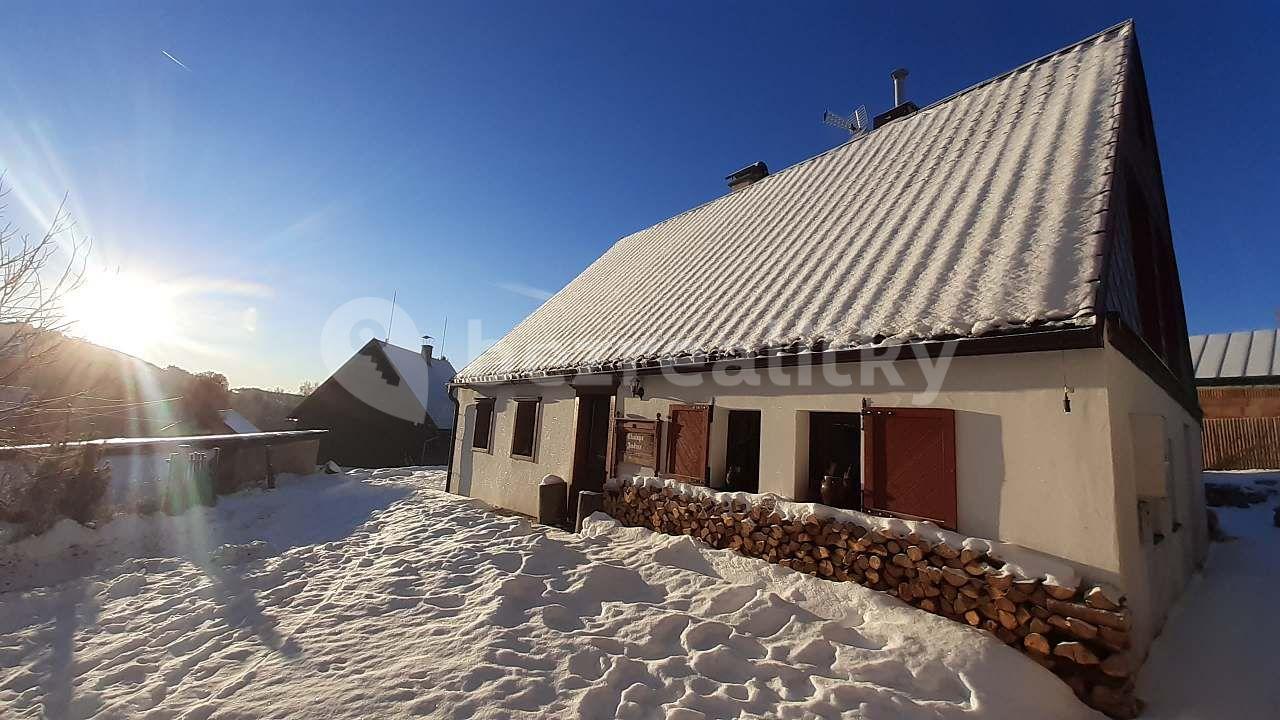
(1153, 575)
(494, 475)
(1027, 471)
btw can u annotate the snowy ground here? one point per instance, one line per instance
(379, 596)
(1216, 657)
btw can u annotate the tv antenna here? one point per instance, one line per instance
(858, 123)
(392, 317)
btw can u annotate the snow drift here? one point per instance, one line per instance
(433, 605)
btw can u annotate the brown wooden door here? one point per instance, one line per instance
(911, 463)
(591, 446)
(687, 434)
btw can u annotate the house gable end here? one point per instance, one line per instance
(1140, 291)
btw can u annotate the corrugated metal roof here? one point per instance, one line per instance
(981, 213)
(1242, 354)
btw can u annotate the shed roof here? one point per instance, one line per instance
(982, 213)
(1245, 354)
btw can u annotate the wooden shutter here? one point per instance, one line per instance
(687, 433)
(911, 464)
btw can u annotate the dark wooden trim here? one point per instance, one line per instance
(870, 458)
(1018, 341)
(453, 438)
(611, 454)
(1133, 347)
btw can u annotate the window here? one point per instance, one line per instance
(524, 438)
(482, 433)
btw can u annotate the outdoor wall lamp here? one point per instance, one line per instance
(637, 390)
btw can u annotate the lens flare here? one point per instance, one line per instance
(129, 313)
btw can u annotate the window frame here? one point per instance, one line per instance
(488, 446)
(517, 403)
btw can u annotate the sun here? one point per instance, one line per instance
(126, 312)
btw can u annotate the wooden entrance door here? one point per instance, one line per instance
(591, 445)
(687, 434)
(911, 463)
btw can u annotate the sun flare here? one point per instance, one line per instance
(130, 313)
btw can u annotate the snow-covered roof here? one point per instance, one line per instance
(429, 381)
(238, 423)
(1244, 354)
(981, 213)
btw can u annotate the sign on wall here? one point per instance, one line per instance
(639, 442)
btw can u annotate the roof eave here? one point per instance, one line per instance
(1037, 339)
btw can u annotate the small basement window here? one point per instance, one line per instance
(482, 434)
(524, 438)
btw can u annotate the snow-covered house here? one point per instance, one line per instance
(1238, 377)
(387, 406)
(972, 313)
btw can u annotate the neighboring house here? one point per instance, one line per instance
(385, 407)
(1238, 375)
(1020, 224)
(229, 422)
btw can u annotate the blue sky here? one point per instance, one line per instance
(469, 155)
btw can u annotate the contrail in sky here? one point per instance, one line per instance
(526, 290)
(180, 63)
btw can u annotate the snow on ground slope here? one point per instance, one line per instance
(432, 605)
(1216, 656)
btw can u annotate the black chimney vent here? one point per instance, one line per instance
(901, 111)
(901, 106)
(747, 175)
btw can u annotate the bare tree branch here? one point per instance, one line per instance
(35, 280)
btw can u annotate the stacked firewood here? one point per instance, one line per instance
(1082, 635)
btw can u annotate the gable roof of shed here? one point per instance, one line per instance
(980, 214)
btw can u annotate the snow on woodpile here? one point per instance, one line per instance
(1019, 562)
(980, 213)
(434, 606)
(1080, 633)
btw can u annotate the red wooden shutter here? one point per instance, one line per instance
(911, 464)
(687, 435)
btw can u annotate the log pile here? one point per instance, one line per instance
(1080, 634)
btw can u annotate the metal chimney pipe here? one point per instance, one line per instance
(899, 86)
